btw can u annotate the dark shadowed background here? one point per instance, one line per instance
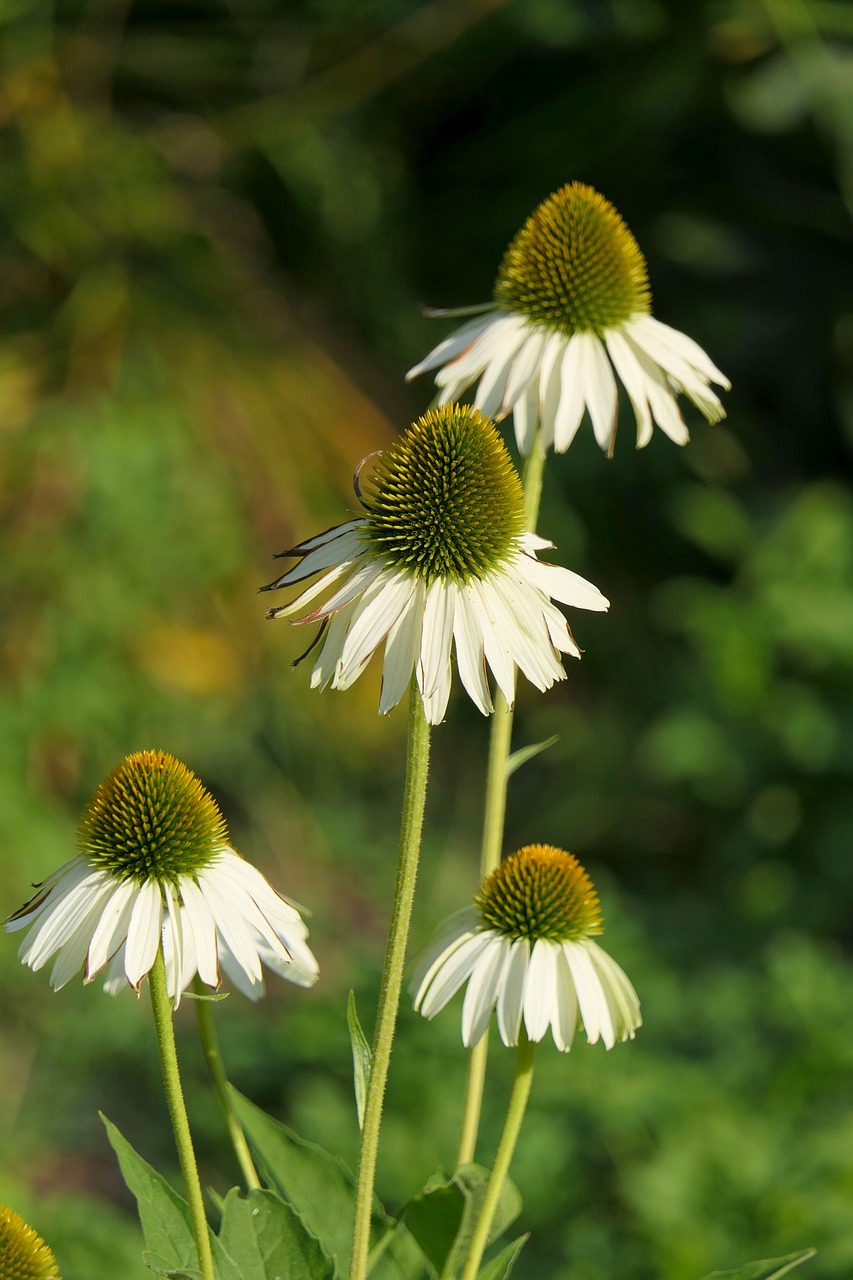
(219, 221)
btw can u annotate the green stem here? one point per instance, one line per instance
(494, 820)
(414, 799)
(503, 1158)
(165, 1031)
(213, 1058)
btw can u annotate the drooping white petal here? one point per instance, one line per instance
(317, 588)
(593, 1006)
(379, 608)
(631, 377)
(328, 535)
(251, 987)
(524, 368)
(231, 925)
(437, 634)
(204, 930)
(54, 888)
(564, 1016)
(540, 988)
(620, 995)
(526, 417)
(497, 652)
(347, 546)
(451, 347)
(599, 390)
(482, 990)
(571, 405)
(143, 934)
(511, 995)
(72, 954)
(654, 335)
(503, 337)
(550, 384)
(112, 927)
(401, 651)
(453, 932)
(470, 657)
(173, 934)
(332, 646)
(450, 975)
(561, 584)
(59, 918)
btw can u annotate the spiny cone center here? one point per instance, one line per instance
(151, 818)
(23, 1253)
(574, 266)
(540, 892)
(444, 500)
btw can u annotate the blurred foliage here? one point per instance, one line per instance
(219, 219)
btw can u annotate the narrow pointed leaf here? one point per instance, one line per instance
(769, 1269)
(501, 1265)
(523, 754)
(362, 1057)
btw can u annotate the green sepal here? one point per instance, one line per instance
(769, 1269)
(362, 1057)
(164, 1217)
(500, 1266)
(271, 1240)
(523, 754)
(443, 1216)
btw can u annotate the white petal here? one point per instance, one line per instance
(662, 335)
(492, 385)
(48, 894)
(550, 381)
(143, 934)
(381, 606)
(504, 336)
(401, 651)
(511, 994)
(173, 948)
(317, 588)
(631, 376)
(482, 991)
(358, 582)
(452, 346)
(571, 405)
(453, 972)
(524, 367)
(112, 927)
(328, 535)
(204, 932)
(251, 987)
(564, 1020)
(231, 926)
(332, 646)
(450, 935)
(72, 954)
(497, 653)
(561, 584)
(470, 659)
(599, 390)
(437, 635)
(345, 547)
(435, 703)
(593, 1006)
(540, 988)
(526, 417)
(620, 995)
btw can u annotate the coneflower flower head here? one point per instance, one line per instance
(23, 1253)
(571, 315)
(155, 869)
(439, 561)
(526, 949)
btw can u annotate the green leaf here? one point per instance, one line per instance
(397, 1257)
(165, 1216)
(501, 1265)
(362, 1057)
(520, 757)
(769, 1269)
(442, 1217)
(319, 1186)
(270, 1239)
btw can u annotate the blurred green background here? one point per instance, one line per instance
(219, 221)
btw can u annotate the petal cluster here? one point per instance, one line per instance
(501, 620)
(549, 380)
(561, 985)
(225, 919)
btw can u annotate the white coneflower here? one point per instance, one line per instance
(571, 314)
(525, 948)
(440, 560)
(155, 865)
(23, 1253)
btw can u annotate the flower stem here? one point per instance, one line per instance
(494, 820)
(213, 1058)
(414, 798)
(506, 1147)
(165, 1031)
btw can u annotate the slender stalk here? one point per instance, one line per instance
(213, 1058)
(494, 820)
(414, 799)
(165, 1031)
(506, 1147)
